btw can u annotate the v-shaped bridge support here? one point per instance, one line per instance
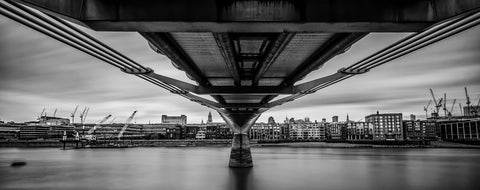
(240, 123)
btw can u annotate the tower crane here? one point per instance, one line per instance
(113, 120)
(468, 102)
(437, 104)
(98, 123)
(82, 114)
(451, 109)
(40, 117)
(129, 119)
(426, 108)
(461, 109)
(83, 117)
(90, 133)
(86, 113)
(73, 114)
(477, 107)
(445, 110)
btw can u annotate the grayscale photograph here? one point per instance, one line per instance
(240, 94)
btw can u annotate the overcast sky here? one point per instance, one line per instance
(38, 72)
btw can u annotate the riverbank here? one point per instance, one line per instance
(224, 143)
(433, 144)
(105, 143)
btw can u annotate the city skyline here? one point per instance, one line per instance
(49, 74)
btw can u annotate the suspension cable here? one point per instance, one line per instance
(48, 33)
(69, 34)
(415, 39)
(55, 34)
(425, 43)
(36, 25)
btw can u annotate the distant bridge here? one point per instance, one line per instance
(244, 53)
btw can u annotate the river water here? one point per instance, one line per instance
(274, 168)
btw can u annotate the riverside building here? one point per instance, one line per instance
(386, 126)
(359, 131)
(419, 130)
(459, 130)
(179, 120)
(266, 131)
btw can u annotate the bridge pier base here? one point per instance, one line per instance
(240, 123)
(240, 156)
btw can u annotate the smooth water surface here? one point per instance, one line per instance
(206, 168)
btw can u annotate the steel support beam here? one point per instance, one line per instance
(257, 90)
(224, 90)
(244, 105)
(336, 45)
(225, 45)
(167, 46)
(268, 99)
(219, 99)
(255, 16)
(276, 48)
(307, 88)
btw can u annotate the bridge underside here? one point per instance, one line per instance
(244, 53)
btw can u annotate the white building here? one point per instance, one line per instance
(305, 131)
(359, 130)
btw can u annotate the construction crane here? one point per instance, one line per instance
(40, 117)
(129, 119)
(440, 104)
(55, 112)
(98, 123)
(461, 109)
(73, 114)
(113, 120)
(437, 104)
(83, 117)
(477, 107)
(90, 133)
(445, 110)
(468, 102)
(426, 108)
(451, 109)
(86, 113)
(82, 114)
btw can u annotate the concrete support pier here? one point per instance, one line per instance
(240, 156)
(240, 123)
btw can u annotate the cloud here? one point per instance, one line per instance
(37, 71)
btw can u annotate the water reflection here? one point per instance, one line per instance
(275, 168)
(240, 178)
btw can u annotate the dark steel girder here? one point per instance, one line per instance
(274, 51)
(257, 90)
(167, 46)
(219, 99)
(255, 15)
(269, 91)
(268, 99)
(338, 44)
(244, 105)
(226, 48)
